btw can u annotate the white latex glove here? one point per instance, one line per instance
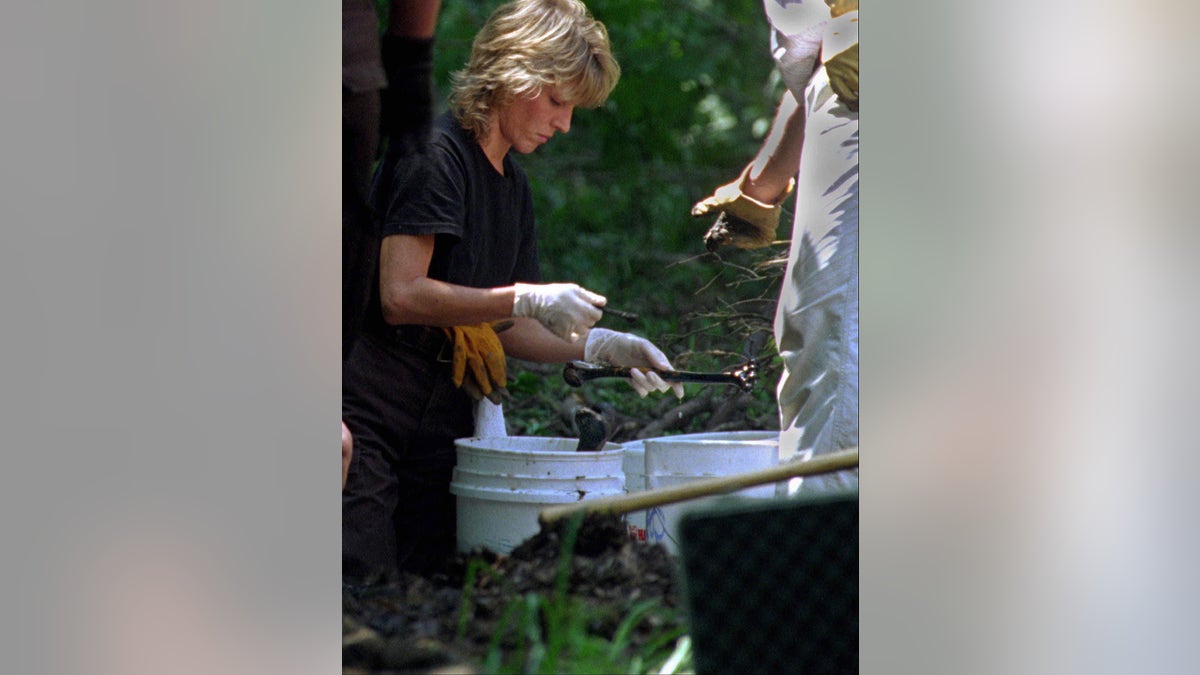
(567, 310)
(629, 350)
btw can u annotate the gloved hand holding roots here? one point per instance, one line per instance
(629, 350)
(747, 222)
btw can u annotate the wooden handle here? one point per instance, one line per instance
(638, 501)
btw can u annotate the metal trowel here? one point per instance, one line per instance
(593, 432)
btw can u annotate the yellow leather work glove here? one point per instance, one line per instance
(839, 51)
(478, 365)
(843, 76)
(840, 7)
(749, 223)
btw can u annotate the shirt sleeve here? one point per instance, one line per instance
(427, 195)
(796, 39)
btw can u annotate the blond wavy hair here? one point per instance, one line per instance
(526, 45)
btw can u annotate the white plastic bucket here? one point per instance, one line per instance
(675, 460)
(634, 465)
(501, 483)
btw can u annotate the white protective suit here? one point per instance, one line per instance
(816, 320)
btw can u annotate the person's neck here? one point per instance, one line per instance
(495, 146)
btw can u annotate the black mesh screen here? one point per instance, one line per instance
(772, 585)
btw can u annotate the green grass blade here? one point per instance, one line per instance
(682, 653)
(464, 606)
(531, 630)
(495, 658)
(620, 639)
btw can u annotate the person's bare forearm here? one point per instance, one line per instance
(413, 18)
(529, 340)
(409, 296)
(779, 157)
(430, 302)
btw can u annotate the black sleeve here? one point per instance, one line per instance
(426, 194)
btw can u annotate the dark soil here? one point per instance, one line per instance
(412, 623)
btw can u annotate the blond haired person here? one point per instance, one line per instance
(459, 249)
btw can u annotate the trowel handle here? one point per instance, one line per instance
(577, 372)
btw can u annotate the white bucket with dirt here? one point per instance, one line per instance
(501, 483)
(675, 460)
(634, 465)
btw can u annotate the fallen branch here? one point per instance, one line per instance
(679, 415)
(725, 411)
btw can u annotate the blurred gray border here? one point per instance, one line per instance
(169, 276)
(169, 273)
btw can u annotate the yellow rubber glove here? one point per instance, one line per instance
(749, 222)
(478, 365)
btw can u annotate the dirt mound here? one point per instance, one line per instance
(449, 619)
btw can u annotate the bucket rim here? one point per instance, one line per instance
(470, 443)
(711, 441)
(523, 496)
(540, 479)
(717, 435)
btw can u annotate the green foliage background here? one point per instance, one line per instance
(612, 197)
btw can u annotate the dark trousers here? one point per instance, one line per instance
(404, 413)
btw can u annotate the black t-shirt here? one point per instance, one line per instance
(483, 222)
